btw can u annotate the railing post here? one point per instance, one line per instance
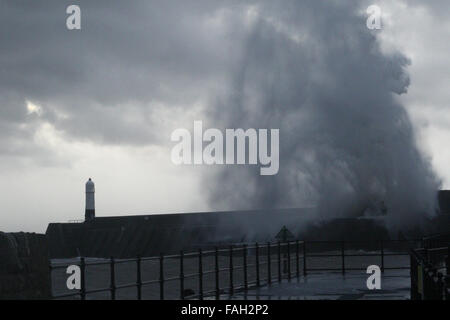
(429, 292)
(200, 274)
(447, 261)
(269, 265)
(414, 276)
(216, 260)
(244, 257)
(279, 261)
(433, 284)
(447, 288)
(343, 256)
(427, 283)
(382, 256)
(82, 279)
(440, 287)
(231, 270)
(257, 264)
(424, 275)
(113, 279)
(304, 258)
(181, 275)
(284, 259)
(138, 278)
(297, 259)
(289, 260)
(161, 276)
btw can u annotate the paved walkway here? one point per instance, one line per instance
(395, 285)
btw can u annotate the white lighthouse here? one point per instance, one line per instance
(89, 213)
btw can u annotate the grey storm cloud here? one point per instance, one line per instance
(313, 70)
(102, 83)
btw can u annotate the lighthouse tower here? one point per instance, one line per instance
(89, 213)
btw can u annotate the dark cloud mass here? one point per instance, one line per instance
(105, 82)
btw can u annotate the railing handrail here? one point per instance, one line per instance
(236, 247)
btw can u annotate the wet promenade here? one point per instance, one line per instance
(395, 285)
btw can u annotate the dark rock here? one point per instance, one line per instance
(24, 266)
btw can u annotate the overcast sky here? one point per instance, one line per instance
(102, 101)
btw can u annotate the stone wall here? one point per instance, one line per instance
(24, 266)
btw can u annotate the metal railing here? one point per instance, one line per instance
(430, 273)
(286, 259)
